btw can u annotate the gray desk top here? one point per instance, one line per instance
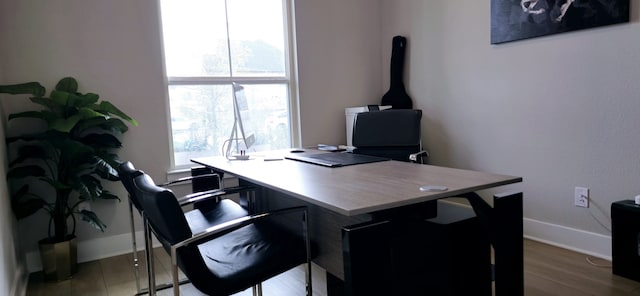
(358, 189)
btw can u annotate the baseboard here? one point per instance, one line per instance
(95, 249)
(577, 240)
(20, 281)
(589, 243)
(581, 241)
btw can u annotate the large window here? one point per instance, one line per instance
(208, 45)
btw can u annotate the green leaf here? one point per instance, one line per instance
(27, 114)
(24, 207)
(48, 103)
(33, 88)
(30, 152)
(67, 84)
(25, 138)
(115, 125)
(105, 168)
(76, 153)
(25, 171)
(108, 107)
(109, 195)
(88, 113)
(111, 125)
(25, 203)
(86, 100)
(57, 185)
(65, 124)
(60, 98)
(93, 219)
(104, 141)
(51, 116)
(89, 187)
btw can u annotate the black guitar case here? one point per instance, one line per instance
(396, 96)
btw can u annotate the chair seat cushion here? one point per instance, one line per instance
(248, 255)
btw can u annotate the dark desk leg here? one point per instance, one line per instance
(335, 286)
(508, 244)
(366, 251)
(503, 224)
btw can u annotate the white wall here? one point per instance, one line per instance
(338, 45)
(560, 111)
(13, 273)
(12, 270)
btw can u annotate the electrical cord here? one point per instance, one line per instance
(226, 147)
(597, 206)
(590, 259)
(600, 222)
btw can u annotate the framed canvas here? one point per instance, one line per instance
(520, 19)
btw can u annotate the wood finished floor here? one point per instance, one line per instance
(548, 271)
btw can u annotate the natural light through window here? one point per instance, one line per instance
(208, 45)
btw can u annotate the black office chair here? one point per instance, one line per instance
(393, 133)
(203, 201)
(222, 259)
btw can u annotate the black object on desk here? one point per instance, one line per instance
(625, 239)
(334, 159)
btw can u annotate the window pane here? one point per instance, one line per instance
(202, 118)
(195, 38)
(256, 30)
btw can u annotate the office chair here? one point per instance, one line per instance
(222, 259)
(204, 198)
(391, 133)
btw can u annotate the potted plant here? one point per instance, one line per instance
(61, 166)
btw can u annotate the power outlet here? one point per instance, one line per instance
(581, 197)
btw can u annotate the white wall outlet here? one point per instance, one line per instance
(581, 197)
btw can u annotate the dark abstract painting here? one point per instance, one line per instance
(520, 19)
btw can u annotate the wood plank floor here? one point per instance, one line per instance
(548, 271)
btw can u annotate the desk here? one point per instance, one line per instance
(380, 191)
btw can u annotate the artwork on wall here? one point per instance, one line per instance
(520, 19)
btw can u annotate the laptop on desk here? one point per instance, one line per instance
(335, 159)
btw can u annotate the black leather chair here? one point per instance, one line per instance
(393, 133)
(206, 203)
(222, 259)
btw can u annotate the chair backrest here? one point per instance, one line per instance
(206, 183)
(162, 210)
(391, 133)
(127, 173)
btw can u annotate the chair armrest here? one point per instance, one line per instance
(187, 179)
(230, 226)
(215, 193)
(419, 156)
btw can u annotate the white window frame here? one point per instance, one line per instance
(290, 79)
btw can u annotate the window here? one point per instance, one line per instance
(208, 45)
